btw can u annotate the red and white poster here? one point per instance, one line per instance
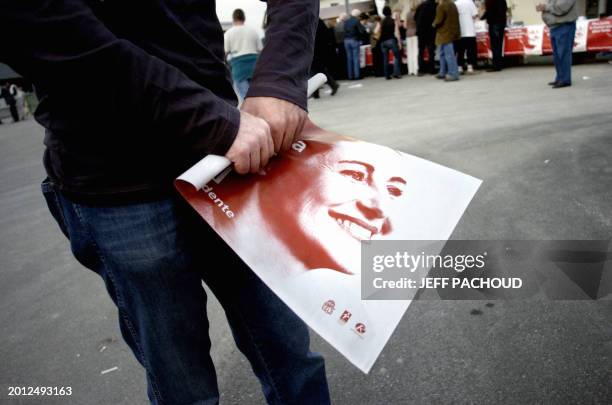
(580, 37)
(591, 36)
(483, 45)
(599, 35)
(300, 223)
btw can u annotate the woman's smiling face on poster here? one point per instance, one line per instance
(345, 194)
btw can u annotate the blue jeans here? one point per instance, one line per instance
(153, 257)
(242, 86)
(448, 61)
(391, 45)
(352, 58)
(562, 41)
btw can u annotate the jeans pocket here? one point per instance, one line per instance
(54, 204)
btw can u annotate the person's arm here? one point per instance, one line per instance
(474, 11)
(283, 67)
(73, 56)
(396, 30)
(277, 92)
(559, 7)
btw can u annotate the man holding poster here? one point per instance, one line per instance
(131, 96)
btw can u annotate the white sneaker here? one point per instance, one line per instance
(460, 68)
(470, 69)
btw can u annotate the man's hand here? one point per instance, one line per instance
(253, 145)
(286, 119)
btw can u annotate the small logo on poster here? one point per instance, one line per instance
(346, 315)
(360, 329)
(328, 307)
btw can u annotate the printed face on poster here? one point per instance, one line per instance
(300, 224)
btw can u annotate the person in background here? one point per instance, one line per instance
(426, 34)
(560, 17)
(323, 53)
(339, 28)
(242, 44)
(447, 31)
(377, 59)
(412, 42)
(353, 32)
(340, 65)
(390, 41)
(9, 97)
(495, 14)
(467, 43)
(397, 16)
(366, 33)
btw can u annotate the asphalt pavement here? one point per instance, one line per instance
(545, 158)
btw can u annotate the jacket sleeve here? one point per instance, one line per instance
(283, 67)
(72, 55)
(440, 16)
(560, 7)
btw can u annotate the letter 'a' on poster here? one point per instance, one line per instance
(300, 223)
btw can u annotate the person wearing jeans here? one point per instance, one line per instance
(495, 14)
(159, 98)
(447, 31)
(560, 16)
(352, 47)
(242, 44)
(448, 63)
(389, 38)
(391, 45)
(152, 257)
(353, 31)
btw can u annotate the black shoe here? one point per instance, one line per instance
(440, 77)
(388, 78)
(551, 83)
(315, 94)
(397, 77)
(560, 85)
(335, 89)
(494, 70)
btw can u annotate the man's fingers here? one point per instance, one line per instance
(298, 133)
(241, 164)
(289, 134)
(277, 130)
(255, 160)
(271, 146)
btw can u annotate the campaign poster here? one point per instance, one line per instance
(599, 35)
(515, 41)
(483, 45)
(533, 45)
(300, 223)
(580, 37)
(546, 43)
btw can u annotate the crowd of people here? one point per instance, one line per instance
(447, 27)
(425, 27)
